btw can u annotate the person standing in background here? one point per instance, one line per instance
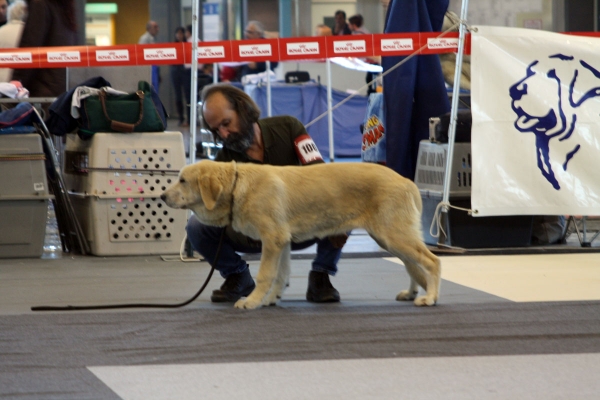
(178, 80)
(355, 23)
(149, 37)
(188, 33)
(205, 76)
(3, 10)
(341, 27)
(50, 23)
(255, 30)
(10, 34)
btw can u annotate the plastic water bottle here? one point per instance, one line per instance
(52, 244)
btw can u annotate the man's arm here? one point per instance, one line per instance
(304, 145)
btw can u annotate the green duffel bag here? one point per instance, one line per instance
(141, 111)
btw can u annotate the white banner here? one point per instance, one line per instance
(536, 123)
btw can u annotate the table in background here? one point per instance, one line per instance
(306, 102)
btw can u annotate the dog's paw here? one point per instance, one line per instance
(247, 304)
(274, 296)
(425, 301)
(407, 295)
(272, 300)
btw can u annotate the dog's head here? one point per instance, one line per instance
(550, 101)
(563, 84)
(205, 188)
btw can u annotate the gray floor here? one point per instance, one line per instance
(471, 345)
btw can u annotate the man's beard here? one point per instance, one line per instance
(240, 141)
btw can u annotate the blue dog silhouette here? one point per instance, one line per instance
(554, 118)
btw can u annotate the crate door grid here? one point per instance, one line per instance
(143, 182)
(135, 218)
(141, 219)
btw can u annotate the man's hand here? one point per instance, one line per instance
(338, 241)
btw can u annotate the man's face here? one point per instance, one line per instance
(340, 19)
(221, 119)
(153, 28)
(3, 8)
(251, 32)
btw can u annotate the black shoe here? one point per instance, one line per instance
(320, 289)
(234, 287)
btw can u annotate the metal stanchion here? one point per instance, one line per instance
(330, 113)
(444, 223)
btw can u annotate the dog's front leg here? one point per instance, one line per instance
(267, 273)
(283, 275)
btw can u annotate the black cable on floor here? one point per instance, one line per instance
(138, 305)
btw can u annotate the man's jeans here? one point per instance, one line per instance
(205, 240)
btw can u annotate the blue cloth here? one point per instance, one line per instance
(374, 132)
(155, 77)
(18, 129)
(308, 101)
(17, 117)
(414, 92)
(205, 240)
(181, 81)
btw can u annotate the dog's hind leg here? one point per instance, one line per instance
(417, 278)
(283, 275)
(421, 264)
(414, 272)
(267, 273)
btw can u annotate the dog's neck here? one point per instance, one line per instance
(235, 176)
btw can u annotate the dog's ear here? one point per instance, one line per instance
(210, 190)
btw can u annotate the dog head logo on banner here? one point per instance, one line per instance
(568, 86)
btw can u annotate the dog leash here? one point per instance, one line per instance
(140, 305)
(157, 305)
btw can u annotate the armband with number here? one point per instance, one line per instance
(307, 150)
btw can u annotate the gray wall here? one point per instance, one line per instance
(168, 16)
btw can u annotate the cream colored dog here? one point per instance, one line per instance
(278, 205)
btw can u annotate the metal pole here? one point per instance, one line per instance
(194, 88)
(330, 113)
(268, 71)
(297, 17)
(285, 18)
(452, 128)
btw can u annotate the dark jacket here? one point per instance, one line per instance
(60, 122)
(46, 26)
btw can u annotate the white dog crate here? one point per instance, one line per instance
(116, 180)
(431, 168)
(23, 196)
(463, 230)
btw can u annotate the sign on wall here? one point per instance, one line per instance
(536, 122)
(211, 22)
